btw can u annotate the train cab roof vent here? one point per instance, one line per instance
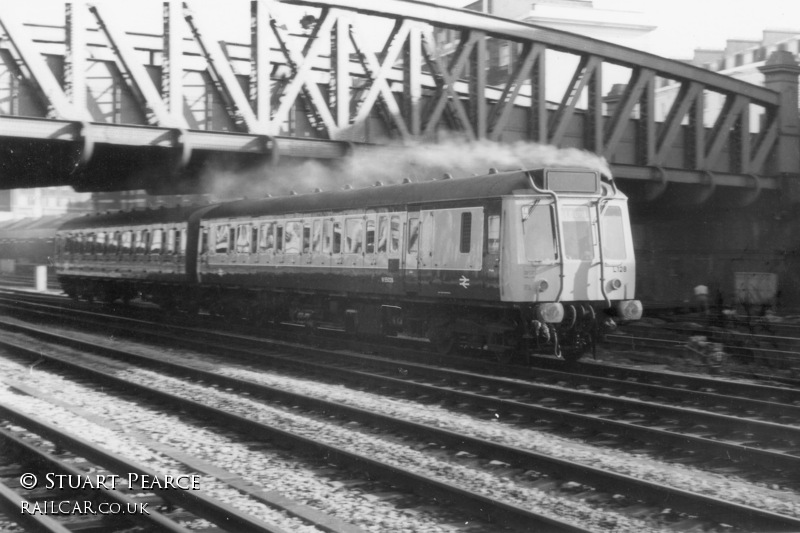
(407, 180)
(447, 176)
(292, 193)
(317, 190)
(347, 187)
(378, 184)
(493, 170)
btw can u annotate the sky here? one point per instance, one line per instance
(683, 25)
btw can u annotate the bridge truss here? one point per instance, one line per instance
(98, 107)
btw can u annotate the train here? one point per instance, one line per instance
(509, 263)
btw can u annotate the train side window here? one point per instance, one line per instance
(254, 239)
(171, 242)
(89, 243)
(383, 234)
(126, 242)
(279, 238)
(413, 234)
(266, 240)
(354, 235)
(306, 237)
(231, 238)
(337, 237)
(146, 237)
(466, 232)
(370, 244)
(157, 241)
(221, 239)
(182, 240)
(327, 239)
(316, 232)
(494, 234)
(293, 234)
(113, 243)
(204, 244)
(243, 238)
(395, 234)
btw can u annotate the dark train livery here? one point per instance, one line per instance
(505, 262)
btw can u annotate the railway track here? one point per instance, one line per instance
(580, 477)
(54, 481)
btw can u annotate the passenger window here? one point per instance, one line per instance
(279, 238)
(221, 239)
(413, 235)
(182, 244)
(294, 235)
(370, 244)
(171, 241)
(127, 242)
(267, 239)
(383, 234)
(337, 237)
(466, 232)
(327, 239)
(156, 241)
(494, 234)
(395, 242)
(243, 238)
(316, 241)
(204, 244)
(232, 239)
(138, 242)
(113, 243)
(354, 234)
(254, 239)
(306, 237)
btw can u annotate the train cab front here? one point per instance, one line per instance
(570, 265)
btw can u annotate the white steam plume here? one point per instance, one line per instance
(391, 164)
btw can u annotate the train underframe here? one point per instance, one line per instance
(506, 332)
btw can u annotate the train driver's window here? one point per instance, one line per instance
(370, 244)
(266, 238)
(172, 242)
(294, 233)
(126, 242)
(220, 239)
(354, 235)
(395, 240)
(316, 240)
(413, 235)
(306, 237)
(383, 234)
(494, 234)
(157, 241)
(279, 238)
(243, 238)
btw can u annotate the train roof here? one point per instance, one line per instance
(33, 228)
(442, 190)
(160, 215)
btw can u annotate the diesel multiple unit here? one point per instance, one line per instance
(506, 262)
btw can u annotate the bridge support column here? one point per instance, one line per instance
(781, 75)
